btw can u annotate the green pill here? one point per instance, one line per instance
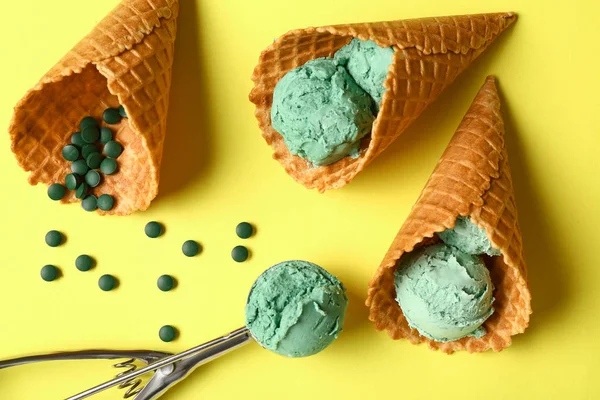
(79, 167)
(244, 230)
(90, 134)
(122, 112)
(94, 160)
(165, 283)
(92, 178)
(72, 181)
(105, 135)
(84, 263)
(239, 254)
(56, 191)
(54, 238)
(107, 282)
(81, 190)
(106, 202)
(108, 166)
(111, 116)
(89, 203)
(77, 140)
(88, 149)
(49, 273)
(113, 149)
(70, 152)
(190, 248)
(153, 229)
(87, 122)
(167, 333)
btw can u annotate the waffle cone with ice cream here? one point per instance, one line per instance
(472, 179)
(429, 55)
(125, 60)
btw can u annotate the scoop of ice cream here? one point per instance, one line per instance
(468, 238)
(296, 308)
(444, 293)
(368, 64)
(321, 112)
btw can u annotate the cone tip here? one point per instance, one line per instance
(489, 89)
(510, 17)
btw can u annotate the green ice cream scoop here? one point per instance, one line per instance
(444, 293)
(296, 308)
(368, 64)
(321, 112)
(468, 238)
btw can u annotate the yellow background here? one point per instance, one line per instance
(218, 171)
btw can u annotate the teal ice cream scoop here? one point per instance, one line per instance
(368, 64)
(444, 293)
(468, 237)
(321, 112)
(296, 309)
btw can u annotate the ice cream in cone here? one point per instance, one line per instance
(429, 53)
(471, 180)
(125, 60)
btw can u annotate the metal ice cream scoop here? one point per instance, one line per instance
(168, 369)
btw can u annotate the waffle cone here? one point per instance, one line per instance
(429, 55)
(472, 178)
(125, 60)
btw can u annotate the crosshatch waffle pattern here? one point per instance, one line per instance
(126, 59)
(430, 53)
(472, 178)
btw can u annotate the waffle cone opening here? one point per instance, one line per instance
(125, 60)
(429, 54)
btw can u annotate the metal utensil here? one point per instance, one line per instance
(168, 369)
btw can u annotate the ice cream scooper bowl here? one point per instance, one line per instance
(294, 308)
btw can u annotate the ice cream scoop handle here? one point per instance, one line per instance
(146, 356)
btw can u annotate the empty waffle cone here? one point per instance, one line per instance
(472, 178)
(429, 55)
(125, 60)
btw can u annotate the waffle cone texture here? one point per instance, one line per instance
(125, 60)
(472, 178)
(429, 54)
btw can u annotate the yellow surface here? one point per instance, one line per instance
(217, 171)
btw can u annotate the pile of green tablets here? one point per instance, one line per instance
(92, 152)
